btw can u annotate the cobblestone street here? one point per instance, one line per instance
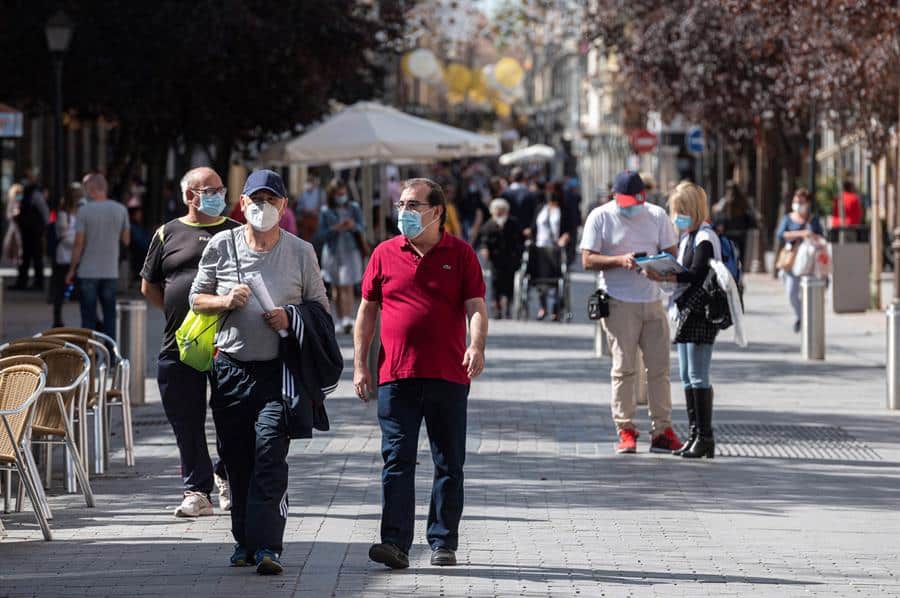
(800, 501)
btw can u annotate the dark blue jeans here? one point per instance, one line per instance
(402, 405)
(183, 393)
(89, 291)
(253, 442)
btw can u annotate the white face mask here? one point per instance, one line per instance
(800, 208)
(500, 220)
(261, 216)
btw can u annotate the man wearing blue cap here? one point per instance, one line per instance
(615, 234)
(246, 382)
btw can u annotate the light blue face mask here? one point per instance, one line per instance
(682, 222)
(631, 211)
(212, 205)
(410, 223)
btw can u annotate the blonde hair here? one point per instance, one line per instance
(690, 199)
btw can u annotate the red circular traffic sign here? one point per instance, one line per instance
(642, 141)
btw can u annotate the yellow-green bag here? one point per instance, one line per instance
(196, 340)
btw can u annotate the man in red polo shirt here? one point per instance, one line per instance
(427, 284)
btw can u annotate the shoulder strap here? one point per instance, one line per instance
(237, 260)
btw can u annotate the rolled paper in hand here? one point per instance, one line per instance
(256, 284)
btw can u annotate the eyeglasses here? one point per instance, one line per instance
(210, 191)
(411, 205)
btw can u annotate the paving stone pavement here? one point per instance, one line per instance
(550, 510)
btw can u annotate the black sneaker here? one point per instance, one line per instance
(443, 557)
(390, 555)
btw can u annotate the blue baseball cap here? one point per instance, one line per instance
(264, 179)
(628, 187)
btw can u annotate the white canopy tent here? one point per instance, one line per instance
(376, 133)
(533, 153)
(372, 133)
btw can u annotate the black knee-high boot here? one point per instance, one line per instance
(705, 445)
(691, 405)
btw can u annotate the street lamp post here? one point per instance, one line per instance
(59, 33)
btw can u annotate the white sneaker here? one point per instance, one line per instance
(195, 504)
(224, 492)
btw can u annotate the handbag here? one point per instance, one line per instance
(196, 337)
(598, 305)
(786, 257)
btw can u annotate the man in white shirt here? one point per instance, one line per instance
(614, 235)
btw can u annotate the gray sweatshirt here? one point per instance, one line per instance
(291, 274)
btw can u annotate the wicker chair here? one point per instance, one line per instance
(67, 373)
(30, 346)
(117, 391)
(22, 381)
(35, 346)
(92, 399)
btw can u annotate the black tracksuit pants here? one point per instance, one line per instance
(253, 442)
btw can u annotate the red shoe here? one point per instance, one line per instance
(666, 442)
(627, 441)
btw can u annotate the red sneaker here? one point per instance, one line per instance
(627, 441)
(666, 442)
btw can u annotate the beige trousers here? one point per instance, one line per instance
(644, 325)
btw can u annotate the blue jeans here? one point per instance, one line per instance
(402, 405)
(104, 289)
(693, 361)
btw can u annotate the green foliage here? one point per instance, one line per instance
(208, 72)
(826, 190)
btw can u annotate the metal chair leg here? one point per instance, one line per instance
(83, 439)
(75, 462)
(31, 488)
(20, 493)
(35, 478)
(128, 432)
(70, 449)
(7, 490)
(99, 427)
(48, 465)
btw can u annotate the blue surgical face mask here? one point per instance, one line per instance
(212, 205)
(340, 200)
(410, 223)
(631, 211)
(682, 222)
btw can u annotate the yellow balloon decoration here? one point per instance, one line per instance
(477, 82)
(508, 72)
(454, 98)
(457, 77)
(477, 97)
(502, 109)
(404, 65)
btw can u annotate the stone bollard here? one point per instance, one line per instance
(893, 332)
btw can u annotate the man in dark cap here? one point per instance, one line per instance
(246, 381)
